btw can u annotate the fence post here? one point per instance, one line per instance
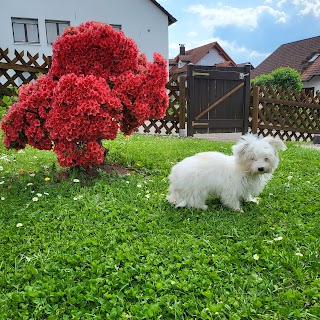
(255, 109)
(246, 98)
(191, 102)
(49, 61)
(182, 107)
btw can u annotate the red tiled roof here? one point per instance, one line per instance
(224, 64)
(312, 69)
(295, 55)
(196, 54)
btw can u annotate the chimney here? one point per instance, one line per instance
(182, 49)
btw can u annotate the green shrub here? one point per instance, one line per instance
(285, 77)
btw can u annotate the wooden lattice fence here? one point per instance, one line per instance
(288, 114)
(21, 68)
(176, 113)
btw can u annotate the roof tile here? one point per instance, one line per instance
(295, 55)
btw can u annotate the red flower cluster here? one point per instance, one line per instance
(98, 84)
(24, 123)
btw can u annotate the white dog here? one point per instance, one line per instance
(232, 178)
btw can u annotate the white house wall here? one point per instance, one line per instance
(314, 82)
(211, 58)
(140, 19)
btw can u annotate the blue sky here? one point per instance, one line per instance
(248, 30)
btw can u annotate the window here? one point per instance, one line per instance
(25, 30)
(315, 57)
(55, 29)
(117, 27)
(309, 91)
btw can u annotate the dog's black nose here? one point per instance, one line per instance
(261, 169)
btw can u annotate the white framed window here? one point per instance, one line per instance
(25, 30)
(54, 29)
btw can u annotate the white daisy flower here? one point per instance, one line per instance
(255, 257)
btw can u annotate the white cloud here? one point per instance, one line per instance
(309, 7)
(281, 3)
(241, 17)
(192, 34)
(242, 53)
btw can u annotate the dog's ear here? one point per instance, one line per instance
(276, 143)
(241, 148)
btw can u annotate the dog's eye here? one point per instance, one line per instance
(266, 159)
(253, 159)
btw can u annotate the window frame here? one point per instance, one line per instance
(25, 22)
(57, 29)
(309, 91)
(117, 27)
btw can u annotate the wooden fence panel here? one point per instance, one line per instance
(218, 99)
(175, 117)
(19, 69)
(290, 115)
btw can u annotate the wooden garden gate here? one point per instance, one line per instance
(218, 99)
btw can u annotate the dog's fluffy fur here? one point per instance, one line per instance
(232, 178)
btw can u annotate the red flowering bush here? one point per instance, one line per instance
(97, 85)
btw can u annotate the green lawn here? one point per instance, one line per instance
(113, 248)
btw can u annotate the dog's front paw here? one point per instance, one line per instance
(255, 200)
(252, 199)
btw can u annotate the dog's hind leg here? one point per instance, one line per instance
(231, 202)
(198, 200)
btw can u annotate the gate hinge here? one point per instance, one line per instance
(200, 124)
(243, 75)
(195, 73)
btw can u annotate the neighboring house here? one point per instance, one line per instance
(210, 54)
(34, 25)
(302, 55)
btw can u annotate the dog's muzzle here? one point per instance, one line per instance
(261, 169)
